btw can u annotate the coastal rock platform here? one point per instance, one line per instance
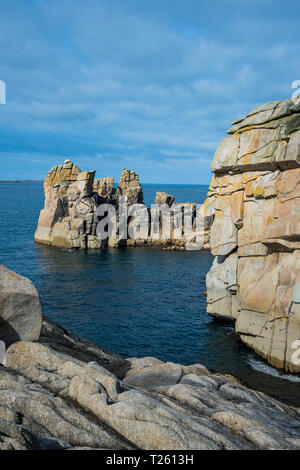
(255, 235)
(61, 392)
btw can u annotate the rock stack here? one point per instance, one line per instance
(69, 218)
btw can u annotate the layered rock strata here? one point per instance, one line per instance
(255, 235)
(60, 392)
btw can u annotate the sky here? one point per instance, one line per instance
(150, 85)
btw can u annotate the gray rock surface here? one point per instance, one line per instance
(36, 418)
(61, 401)
(20, 309)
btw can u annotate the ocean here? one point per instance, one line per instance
(136, 302)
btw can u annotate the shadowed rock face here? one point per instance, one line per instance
(255, 235)
(69, 217)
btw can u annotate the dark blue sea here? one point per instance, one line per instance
(137, 301)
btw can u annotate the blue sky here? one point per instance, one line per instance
(151, 85)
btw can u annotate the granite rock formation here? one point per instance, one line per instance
(129, 186)
(63, 402)
(69, 218)
(254, 197)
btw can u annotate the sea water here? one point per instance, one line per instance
(136, 302)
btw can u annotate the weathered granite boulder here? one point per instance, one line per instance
(255, 234)
(221, 283)
(20, 309)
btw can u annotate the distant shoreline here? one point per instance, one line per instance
(143, 184)
(21, 181)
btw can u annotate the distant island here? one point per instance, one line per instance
(21, 181)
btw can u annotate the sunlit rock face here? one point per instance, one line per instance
(255, 235)
(69, 218)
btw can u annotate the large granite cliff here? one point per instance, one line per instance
(254, 197)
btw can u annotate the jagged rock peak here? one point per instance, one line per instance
(128, 178)
(129, 185)
(65, 174)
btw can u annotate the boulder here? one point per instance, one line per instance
(20, 309)
(221, 283)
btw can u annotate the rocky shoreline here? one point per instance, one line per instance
(60, 392)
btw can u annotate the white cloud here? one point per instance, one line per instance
(144, 84)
